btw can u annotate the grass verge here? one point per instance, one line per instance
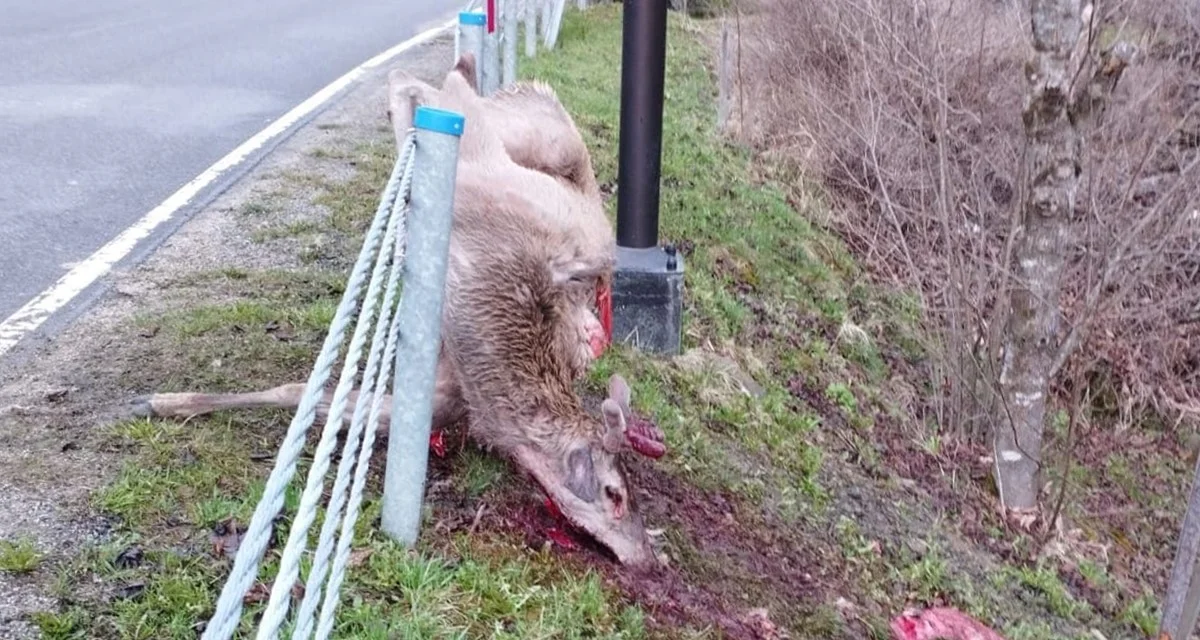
(774, 500)
(19, 556)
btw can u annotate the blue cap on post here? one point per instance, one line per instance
(477, 18)
(439, 121)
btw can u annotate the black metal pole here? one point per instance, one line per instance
(639, 156)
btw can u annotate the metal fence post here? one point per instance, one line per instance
(420, 319)
(556, 15)
(724, 80)
(508, 17)
(530, 28)
(471, 27)
(544, 18)
(490, 64)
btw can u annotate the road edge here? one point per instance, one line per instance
(55, 308)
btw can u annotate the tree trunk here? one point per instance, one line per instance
(1182, 602)
(1051, 170)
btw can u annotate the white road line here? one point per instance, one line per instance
(35, 312)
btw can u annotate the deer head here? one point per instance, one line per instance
(587, 480)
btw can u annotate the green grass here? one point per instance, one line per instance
(784, 300)
(744, 233)
(352, 204)
(19, 556)
(769, 295)
(249, 329)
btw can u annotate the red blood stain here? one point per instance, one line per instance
(561, 538)
(604, 303)
(438, 444)
(553, 509)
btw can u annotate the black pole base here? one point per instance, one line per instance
(647, 299)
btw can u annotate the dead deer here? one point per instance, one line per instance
(533, 127)
(524, 257)
(523, 260)
(537, 131)
(532, 124)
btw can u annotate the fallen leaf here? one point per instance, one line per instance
(1023, 518)
(478, 518)
(130, 557)
(281, 331)
(759, 620)
(359, 556)
(225, 538)
(260, 592)
(131, 591)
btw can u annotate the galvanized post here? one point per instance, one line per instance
(556, 15)
(530, 28)
(544, 19)
(420, 319)
(490, 64)
(509, 18)
(471, 25)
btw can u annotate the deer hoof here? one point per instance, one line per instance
(141, 407)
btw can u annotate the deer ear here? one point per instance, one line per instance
(466, 67)
(613, 439)
(581, 474)
(618, 391)
(563, 271)
(405, 94)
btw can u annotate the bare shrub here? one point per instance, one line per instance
(908, 113)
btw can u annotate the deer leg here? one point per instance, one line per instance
(187, 405)
(448, 404)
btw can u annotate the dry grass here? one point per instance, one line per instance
(909, 115)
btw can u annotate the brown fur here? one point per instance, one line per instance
(529, 243)
(521, 133)
(526, 253)
(541, 135)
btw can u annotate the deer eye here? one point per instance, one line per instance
(618, 500)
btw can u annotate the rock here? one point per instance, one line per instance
(727, 376)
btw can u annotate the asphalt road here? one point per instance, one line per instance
(109, 106)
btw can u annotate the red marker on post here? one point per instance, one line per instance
(491, 16)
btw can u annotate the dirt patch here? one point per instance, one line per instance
(728, 561)
(731, 569)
